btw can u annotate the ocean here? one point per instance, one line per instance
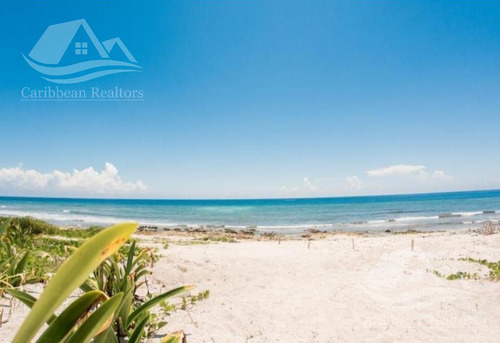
(436, 211)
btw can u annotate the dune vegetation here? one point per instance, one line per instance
(102, 271)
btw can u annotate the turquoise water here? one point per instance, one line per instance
(397, 212)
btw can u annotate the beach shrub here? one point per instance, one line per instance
(125, 272)
(30, 226)
(109, 309)
(12, 262)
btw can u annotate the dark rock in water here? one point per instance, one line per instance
(230, 231)
(391, 220)
(489, 212)
(315, 231)
(268, 234)
(388, 231)
(148, 228)
(248, 232)
(197, 229)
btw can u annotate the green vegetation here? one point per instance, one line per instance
(12, 262)
(494, 270)
(40, 246)
(224, 239)
(110, 309)
(437, 273)
(494, 267)
(123, 273)
(463, 275)
(457, 275)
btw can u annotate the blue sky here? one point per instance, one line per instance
(257, 98)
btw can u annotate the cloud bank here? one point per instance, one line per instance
(87, 181)
(419, 171)
(394, 179)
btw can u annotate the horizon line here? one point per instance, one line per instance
(250, 199)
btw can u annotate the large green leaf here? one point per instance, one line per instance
(72, 273)
(98, 321)
(68, 319)
(152, 302)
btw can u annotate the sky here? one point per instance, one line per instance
(257, 99)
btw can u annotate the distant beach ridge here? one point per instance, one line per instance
(436, 211)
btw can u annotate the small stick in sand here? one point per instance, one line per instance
(412, 244)
(353, 244)
(309, 245)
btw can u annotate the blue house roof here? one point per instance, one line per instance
(54, 42)
(111, 43)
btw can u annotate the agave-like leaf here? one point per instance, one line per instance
(174, 337)
(27, 300)
(72, 273)
(69, 318)
(130, 259)
(98, 321)
(124, 309)
(21, 265)
(138, 331)
(152, 302)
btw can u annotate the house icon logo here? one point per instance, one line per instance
(70, 53)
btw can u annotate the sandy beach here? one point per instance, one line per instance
(326, 290)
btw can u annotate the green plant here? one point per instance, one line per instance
(494, 267)
(124, 272)
(30, 225)
(462, 275)
(12, 262)
(437, 273)
(97, 314)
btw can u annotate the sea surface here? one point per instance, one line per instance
(437, 211)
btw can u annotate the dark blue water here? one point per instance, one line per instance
(416, 211)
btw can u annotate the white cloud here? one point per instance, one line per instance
(418, 171)
(353, 183)
(87, 181)
(400, 169)
(307, 187)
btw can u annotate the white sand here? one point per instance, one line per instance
(381, 291)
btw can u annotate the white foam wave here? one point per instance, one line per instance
(296, 226)
(411, 219)
(467, 214)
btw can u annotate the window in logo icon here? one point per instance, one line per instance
(81, 48)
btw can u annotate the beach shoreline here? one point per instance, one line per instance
(325, 288)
